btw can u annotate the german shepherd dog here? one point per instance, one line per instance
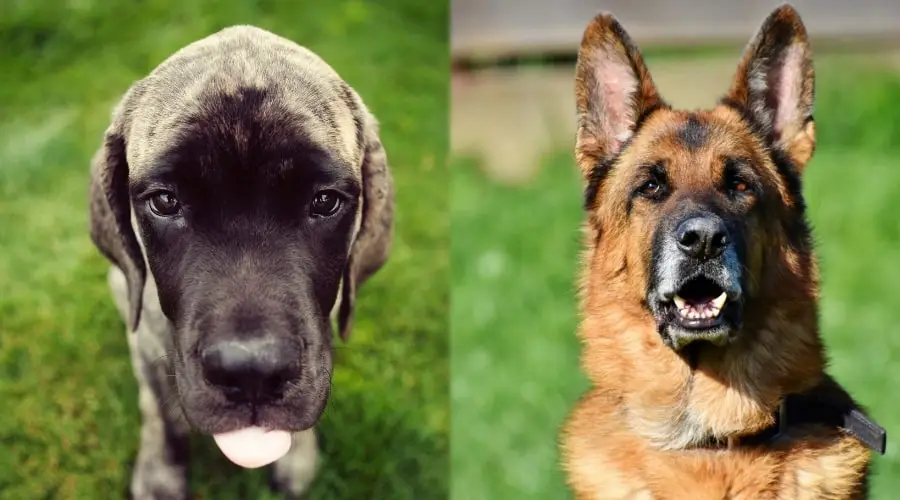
(699, 289)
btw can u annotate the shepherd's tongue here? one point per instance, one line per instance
(253, 447)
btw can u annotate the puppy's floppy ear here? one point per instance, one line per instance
(613, 92)
(111, 228)
(774, 85)
(373, 242)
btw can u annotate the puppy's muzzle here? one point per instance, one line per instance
(254, 371)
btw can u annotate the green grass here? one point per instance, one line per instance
(69, 425)
(513, 314)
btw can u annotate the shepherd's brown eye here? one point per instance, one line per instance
(326, 203)
(739, 185)
(164, 204)
(650, 188)
(735, 181)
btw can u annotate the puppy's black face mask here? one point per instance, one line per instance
(247, 225)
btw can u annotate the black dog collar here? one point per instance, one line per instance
(801, 409)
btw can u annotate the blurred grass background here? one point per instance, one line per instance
(69, 421)
(515, 255)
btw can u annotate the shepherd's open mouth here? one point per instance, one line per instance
(699, 304)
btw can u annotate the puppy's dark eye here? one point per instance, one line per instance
(164, 204)
(326, 203)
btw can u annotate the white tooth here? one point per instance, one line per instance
(694, 315)
(719, 301)
(714, 312)
(679, 302)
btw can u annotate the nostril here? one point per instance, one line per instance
(276, 383)
(689, 239)
(272, 386)
(218, 362)
(720, 240)
(223, 368)
(223, 379)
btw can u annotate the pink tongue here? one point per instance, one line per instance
(253, 447)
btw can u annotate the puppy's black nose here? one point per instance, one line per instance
(250, 370)
(702, 237)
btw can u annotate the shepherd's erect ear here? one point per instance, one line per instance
(613, 91)
(775, 84)
(110, 214)
(373, 241)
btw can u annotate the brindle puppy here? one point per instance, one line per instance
(249, 179)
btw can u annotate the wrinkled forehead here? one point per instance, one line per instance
(243, 122)
(693, 145)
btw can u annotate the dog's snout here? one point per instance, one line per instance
(702, 237)
(254, 370)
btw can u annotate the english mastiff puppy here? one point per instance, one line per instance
(242, 196)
